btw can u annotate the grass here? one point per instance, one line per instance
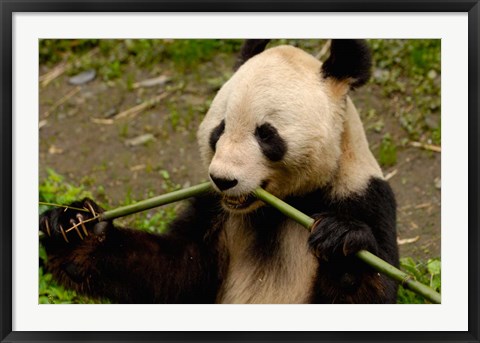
(428, 273)
(53, 189)
(114, 55)
(388, 151)
(410, 70)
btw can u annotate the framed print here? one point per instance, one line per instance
(91, 89)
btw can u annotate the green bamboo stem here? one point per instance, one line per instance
(407, 281)
(156, 201)
(285, 208)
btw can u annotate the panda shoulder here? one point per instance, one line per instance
(357, 164)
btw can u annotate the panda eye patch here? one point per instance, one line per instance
(265, 132)
(272, 144)
(216, 134)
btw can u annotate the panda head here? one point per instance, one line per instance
(277, 123)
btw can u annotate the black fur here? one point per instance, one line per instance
(349, 59)
(216, 134)
(250, 48)
(266, 226)
(366, 221)
(272, 144)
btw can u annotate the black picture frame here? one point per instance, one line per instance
(9, 7)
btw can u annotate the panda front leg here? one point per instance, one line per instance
(342, 277)
(125, 265)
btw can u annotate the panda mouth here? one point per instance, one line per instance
(239, 203)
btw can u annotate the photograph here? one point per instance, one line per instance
(347, 131)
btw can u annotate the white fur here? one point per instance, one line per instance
(283, 280)
(325, 138)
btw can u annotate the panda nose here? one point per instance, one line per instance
(223, 184)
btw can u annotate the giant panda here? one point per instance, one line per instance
(284, 121)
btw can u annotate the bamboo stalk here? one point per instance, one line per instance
(156, 201)
(375, 262)
(285, 208)
(406, 280)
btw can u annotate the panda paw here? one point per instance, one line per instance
(334, 237)
(72, 224)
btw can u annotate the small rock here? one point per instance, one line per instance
(71, 112)
(381, 75)
(83, 77)
(432, 74)
(438, 183)
(432, 121)
(142, 139)
(53, 150)
(111, 112)
(378, 126)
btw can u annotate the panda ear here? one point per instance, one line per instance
(349, 63)
(250, 48)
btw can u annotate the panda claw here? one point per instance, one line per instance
(75, 226)
(90, 208)
(80, 221)
(63, 233)
(47, 226)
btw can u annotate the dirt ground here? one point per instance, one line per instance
(84, 138)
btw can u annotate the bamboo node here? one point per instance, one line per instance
(406, 280)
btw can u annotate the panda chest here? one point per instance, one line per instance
(267, 269)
